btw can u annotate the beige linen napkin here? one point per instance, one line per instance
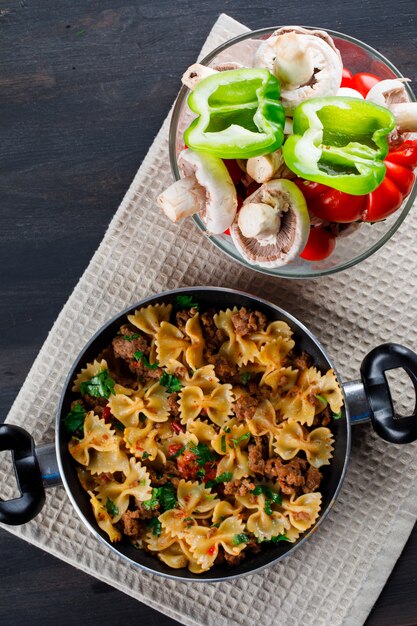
(337, 575)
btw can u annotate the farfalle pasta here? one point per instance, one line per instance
(201, 435)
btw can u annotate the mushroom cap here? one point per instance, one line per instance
(387, 92)
(293, 225)
(313, 48)
(211, 174)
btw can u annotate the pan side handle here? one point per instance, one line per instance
(28, 476)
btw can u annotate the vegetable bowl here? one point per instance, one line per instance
(333, 222)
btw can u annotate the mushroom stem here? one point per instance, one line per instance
(260, 220)
(183, 198)
(294, 64)
(263, 168)
(406, 115)
(195, 73)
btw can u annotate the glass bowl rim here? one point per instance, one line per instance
(276, 272)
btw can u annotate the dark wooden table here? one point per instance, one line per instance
(84, 88)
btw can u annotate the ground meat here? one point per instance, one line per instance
(238, 487)
(94, 403)
(313, 479)
(131, 525)
(259, 391)
(289, 475)
(324, 418)
(144, 513)
(245, 408)
(125, 348)
(254, 546)
(224, 371)
(173, 405)
(183, 316)
(302, 362)
(246, 322)
(234, 559)
(170, 475)
(143, 372)
(212, 335)
(256, 453)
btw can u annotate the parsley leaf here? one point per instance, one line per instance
(337, 416)
(100, 386)
(118, 424)
(322, 399)
(155, 526)
(75, 418)
(131, 337)
(139, 356)
(241, 538)
(176, 454)
(186, 302)
(224, 478)
(237, 441)
(111, 508)
(245, 377)
(267, 507)
(171, 382)
(167, 496)
(142, 418)
(274, 497)
(203, 454)
(201, 473)
(223, 443)
(153, 500)
(226, 429)
(145, 456)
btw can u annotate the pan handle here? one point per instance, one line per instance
(384, 420)
(28, 475)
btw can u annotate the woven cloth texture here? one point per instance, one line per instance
(336, 576)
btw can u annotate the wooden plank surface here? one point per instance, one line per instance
(84, 88)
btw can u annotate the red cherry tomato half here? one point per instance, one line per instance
(227, 232)
(363, 82)
(401, 176)
(337, 206)
(346, 78)
(405, 154)
(386, 199)
(320, 245)
(309, 189)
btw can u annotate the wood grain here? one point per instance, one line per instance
(84, 88)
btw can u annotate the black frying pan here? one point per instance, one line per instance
(37, 468)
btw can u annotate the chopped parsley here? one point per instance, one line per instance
(270, 497)
(241, 538)
(139, 356)
(171, 382)
(186, 302)
(118, 424)
(201, 473)
(131, 337)
(267, 507)
(155, 526)
(274, 539)
(337, 416)
(142, 418)
(75, 418)
(223, 443)
(111, 508)
(226, 429)
(322, 399)
(237, 441)
(245, 378)
(165, 496)
(203, 454)
(223, 478)
(145, 456)
(176, 454)
(100, 386)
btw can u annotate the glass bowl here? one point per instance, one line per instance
(364, 241)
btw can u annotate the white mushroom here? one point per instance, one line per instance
(197, 72)
(351, 93)
(206, 189)
(268, 166)
(307, 63)
(272, 226)
(392, 94)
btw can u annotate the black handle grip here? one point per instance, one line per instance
(387, 425)
(28, 476)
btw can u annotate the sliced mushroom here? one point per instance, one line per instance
(351, 93)
(206, 189)
(267, 167)
(197, 72)
(307, 63)
(392, 94)
(272, 226)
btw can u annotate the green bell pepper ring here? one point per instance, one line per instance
(239, 114)
(340, 142)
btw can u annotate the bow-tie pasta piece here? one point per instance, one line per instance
(88, 372)
(152, 402)
(236, 349)
(142, 441)
(97, 436)
(218, 405)
(204, 378)
(275, 331)
(194, 502)
(264, 420)
(204, 542)
(265, 522)
(231, 443)
(302, 512)
(202, 431)
(317, 445)
(103, 519)
(148, 319)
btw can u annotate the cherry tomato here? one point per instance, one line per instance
(319, 246)
(211, 469)
(227, 232)
(173, 448)
(405, 154)
(401, 176)
(309, 189)
(386, 199)
(177, 428)
(336, 206)
(363, 82)
(346, 78)
(187, 465)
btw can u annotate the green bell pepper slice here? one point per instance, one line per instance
(239, 115)
(340, 142)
